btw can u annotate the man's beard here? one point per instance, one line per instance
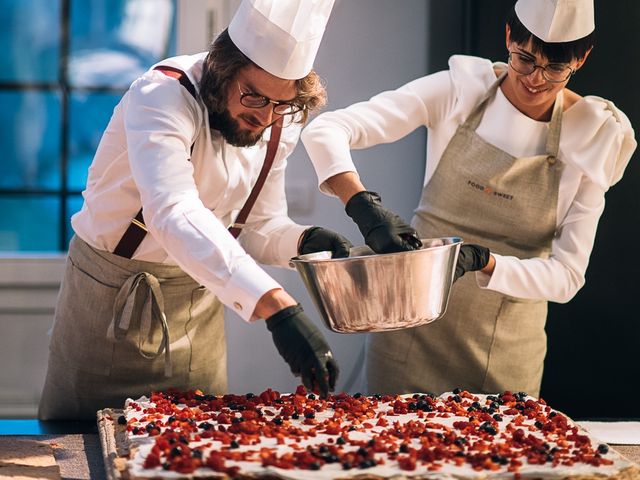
(231, 131)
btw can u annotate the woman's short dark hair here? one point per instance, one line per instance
(225, 60)
(562, 52)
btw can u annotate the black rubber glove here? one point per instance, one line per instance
(471, 258)
(318, 239)
(383, 230)
(304, 348)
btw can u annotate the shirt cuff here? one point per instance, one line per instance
(247, 284)
(492, 282)
(289, 243)
(488, 282)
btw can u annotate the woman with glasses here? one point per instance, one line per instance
(518, 166)
(193, 157)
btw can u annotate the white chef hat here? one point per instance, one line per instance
(555, 21)
(281, 36)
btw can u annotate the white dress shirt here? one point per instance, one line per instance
(189, 197)
(596, 144)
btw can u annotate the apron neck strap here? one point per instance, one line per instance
(553, 135)
(555, 125)
(473, 120)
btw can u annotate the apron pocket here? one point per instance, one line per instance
(82, 318)
(519, 346)
(205, 330)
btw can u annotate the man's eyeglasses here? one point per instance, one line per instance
(552, 72)
(252, 100)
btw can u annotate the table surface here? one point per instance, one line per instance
(78, 452)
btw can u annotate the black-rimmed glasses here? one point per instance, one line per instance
(552, 72)
(253, 100)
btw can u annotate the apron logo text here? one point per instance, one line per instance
(489, 190)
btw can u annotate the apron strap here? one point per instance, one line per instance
(555, 125)
(142, 287)
(473, 120)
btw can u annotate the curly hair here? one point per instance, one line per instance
(225, 60)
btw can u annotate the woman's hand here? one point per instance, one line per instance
(472, 258)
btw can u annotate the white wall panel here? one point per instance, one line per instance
(28, 292)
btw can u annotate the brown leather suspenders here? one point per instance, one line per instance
(136, 231)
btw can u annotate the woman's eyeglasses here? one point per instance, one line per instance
(552, 72)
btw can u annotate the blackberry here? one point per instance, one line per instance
(487, 427)
(367, 464)
(122, 420)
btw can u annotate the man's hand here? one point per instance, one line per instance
(471, 258)
(304, 348)
(318, 239)
(383, 230)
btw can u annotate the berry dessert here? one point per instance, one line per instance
(300, 436)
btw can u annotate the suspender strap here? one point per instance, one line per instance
(132, 238)
(272, 147)
(136, 231)
(180, 76)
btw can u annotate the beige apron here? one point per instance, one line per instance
(486, 342)
(124, 328)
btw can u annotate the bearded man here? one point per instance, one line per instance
(193, 157)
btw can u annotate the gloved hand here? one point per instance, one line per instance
(304, 348)
(318, 239)
(471, 258)
(383, 230)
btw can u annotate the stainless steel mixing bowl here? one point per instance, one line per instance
(370, 292)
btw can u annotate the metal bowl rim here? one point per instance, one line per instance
(301, 258)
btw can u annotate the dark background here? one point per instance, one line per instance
(592, 369)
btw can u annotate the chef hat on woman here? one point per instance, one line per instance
(281, 36)
(555, 21)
